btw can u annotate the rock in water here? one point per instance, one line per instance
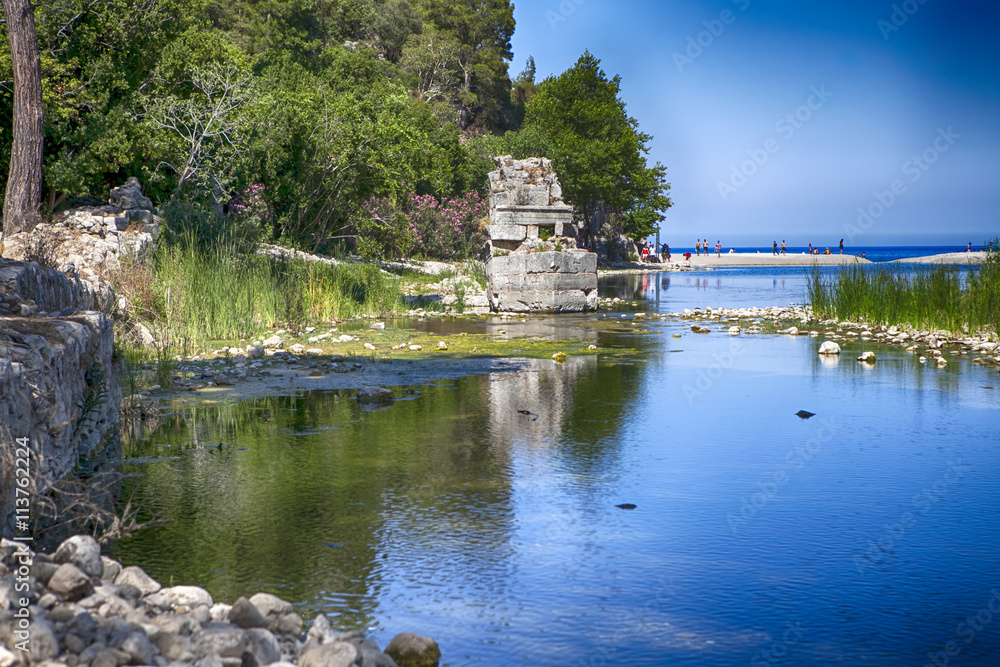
(374, 394)
(867, 357)
(626, 506)
(410, 650)
(803, 414)
(829, 347)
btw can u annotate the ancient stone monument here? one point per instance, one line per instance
(533, 263)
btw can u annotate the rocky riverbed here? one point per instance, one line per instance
(76, 607)
(934, 344)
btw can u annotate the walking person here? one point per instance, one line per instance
(783, 246)
(774, 248)
(718, 248)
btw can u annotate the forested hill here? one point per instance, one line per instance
(308, 111)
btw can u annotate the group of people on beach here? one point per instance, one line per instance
(812, 251)
(648, 252)
(700, 245)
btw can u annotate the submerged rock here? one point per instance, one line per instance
(410, 650)
(374, 394)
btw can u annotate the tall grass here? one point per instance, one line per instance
(934, 297)
(216, 290)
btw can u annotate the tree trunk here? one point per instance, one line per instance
(24, 180)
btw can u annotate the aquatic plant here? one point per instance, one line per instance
(930, 297)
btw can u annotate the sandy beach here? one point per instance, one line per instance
(728, 260)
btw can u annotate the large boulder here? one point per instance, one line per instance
(410, 650)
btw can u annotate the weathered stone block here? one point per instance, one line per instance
(571, 261)
(514, 264)
(506, 232)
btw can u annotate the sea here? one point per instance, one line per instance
(873, 253)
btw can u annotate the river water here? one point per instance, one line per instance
(866, 535)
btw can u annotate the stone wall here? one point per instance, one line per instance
(86, 243)
(533, 263)
(58, 387)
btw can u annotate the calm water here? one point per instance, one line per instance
(862, 536)
(874, 253)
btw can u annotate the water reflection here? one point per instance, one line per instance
(483, 511)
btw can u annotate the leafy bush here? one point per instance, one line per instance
(383, 230)
(450, 229)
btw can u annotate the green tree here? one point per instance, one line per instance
(597, 149)
(95, 57)
(394, 25)
(201, 99)
(479, 84)
(328, 142)
(24, 184)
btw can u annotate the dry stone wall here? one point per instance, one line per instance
(533, 262)
(58, 388)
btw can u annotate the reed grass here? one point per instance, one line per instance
(218, 291)
(933, 297)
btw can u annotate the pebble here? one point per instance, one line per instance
(136, 622)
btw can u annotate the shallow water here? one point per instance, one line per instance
(862, 536)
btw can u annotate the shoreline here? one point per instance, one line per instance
(736, 260)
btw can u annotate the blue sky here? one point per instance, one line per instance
(877, 122)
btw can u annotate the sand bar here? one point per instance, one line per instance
(728, 260)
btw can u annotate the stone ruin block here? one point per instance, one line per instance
(534, 264)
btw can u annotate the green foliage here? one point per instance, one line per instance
(597, 148)
(394, 25)
(460, 60)
(323, 105)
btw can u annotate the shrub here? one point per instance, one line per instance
(450, 229)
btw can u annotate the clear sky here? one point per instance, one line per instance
(874, 121)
